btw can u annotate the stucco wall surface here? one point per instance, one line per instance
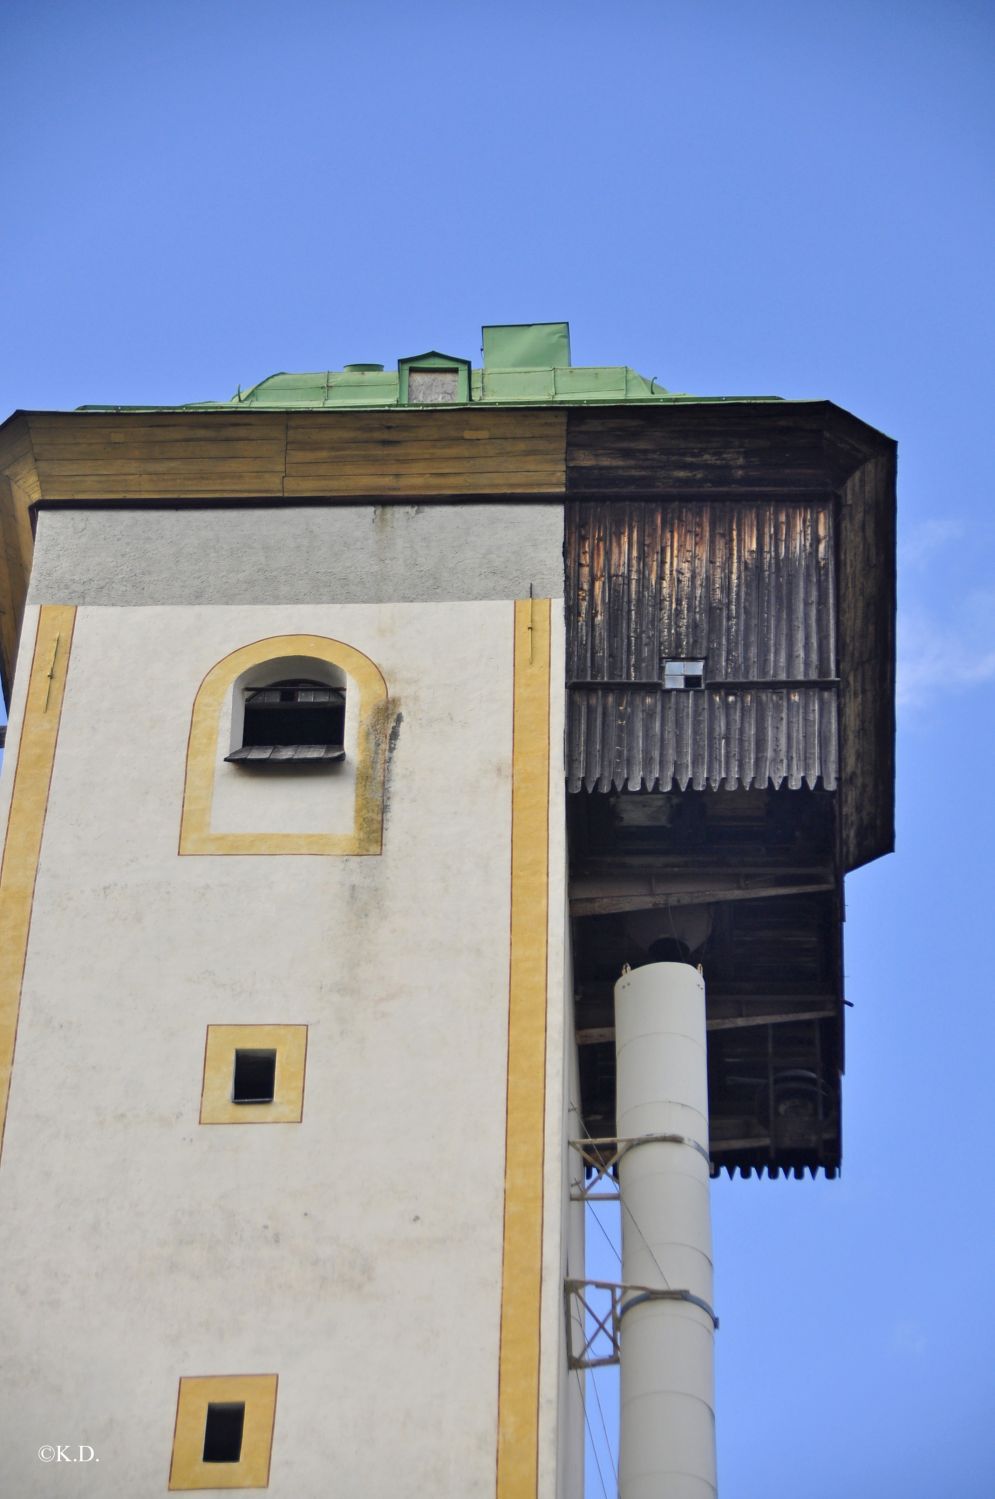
(358, 1254)
(298, 554)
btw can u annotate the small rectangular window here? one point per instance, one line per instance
(683, 676)
(254, 1064)
(223, 1432)
(253, 1076)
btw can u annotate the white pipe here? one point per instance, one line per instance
(667, 1414)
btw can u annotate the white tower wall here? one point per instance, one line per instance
(359, 1253)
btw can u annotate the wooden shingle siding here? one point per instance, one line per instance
(620, 738)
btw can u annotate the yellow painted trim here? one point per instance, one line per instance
(26, 819)
(188, 1469)
(366, 837)
(290, 1044)
(518, 1377)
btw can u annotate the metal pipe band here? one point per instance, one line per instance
(628, 1145)
(669, 1296)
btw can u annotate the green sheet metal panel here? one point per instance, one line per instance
(526, 346)
(525, 364)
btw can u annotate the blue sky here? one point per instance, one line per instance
(777, 197)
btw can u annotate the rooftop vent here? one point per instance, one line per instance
(527, 346)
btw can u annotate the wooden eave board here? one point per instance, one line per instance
(505, 452)
(153, 455)
(784, 447)
(335, 454)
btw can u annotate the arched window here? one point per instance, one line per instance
(306, 703)
(297, 718)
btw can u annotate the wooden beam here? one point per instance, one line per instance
(782, 1017)
(590, 896)
(596, 1035)
(811, 1137)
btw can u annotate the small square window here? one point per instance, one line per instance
(683, 676)
(253, 1076)
(223, 1431)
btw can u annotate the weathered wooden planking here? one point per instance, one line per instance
(867, 660)
(442, 452)
(12, 581)
(768, 446)
(157, 455)
(774, 989)
(183, 455)
(749, 585)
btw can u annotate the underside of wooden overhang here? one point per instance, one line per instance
(748, 881)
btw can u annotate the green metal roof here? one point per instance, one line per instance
(521, 368)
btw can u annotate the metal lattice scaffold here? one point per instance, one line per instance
(601, 1156)
(602, 1333)
(600, 1330)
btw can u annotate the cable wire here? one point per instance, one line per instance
(590, 1433)
(608, 1237)
(591, 1211)
(626, 1208)
(604, 1428)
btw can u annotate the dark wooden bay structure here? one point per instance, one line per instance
(730, 657)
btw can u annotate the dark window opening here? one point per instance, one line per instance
(299, 719)
(294, 713)
(683, 676)
(253, 1077)
(223, 1432)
